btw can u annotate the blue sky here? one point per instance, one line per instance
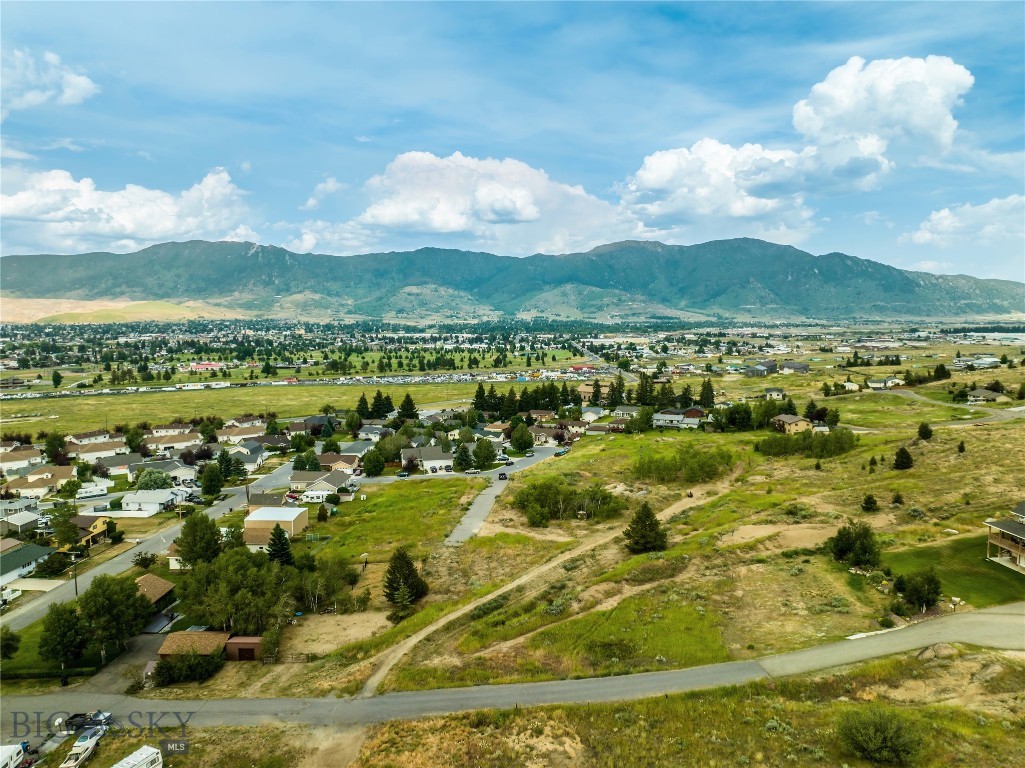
(890, 131)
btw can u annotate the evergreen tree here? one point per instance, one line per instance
(224, 463)
(595, 398)
(809, 410)
(403, 603)
(924, 431)
(279, 549)
(869, 503)
(10, 641)
(362, 407)
(377, 407)
(789, 407)
(402, 573)
(462, 460)
(645, 534)
(480, 398)
(299, 463)
(707, 397)
(960, 447)
(510, 404)
(389, 406)
(686, 397)
(903, 459)
(492, 402)
(407, 410)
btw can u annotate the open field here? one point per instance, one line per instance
(877, 410)
(91, 412)
(782, 722)
(17, 310)
(963, 570)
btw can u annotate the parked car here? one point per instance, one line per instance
(403, 474)
(472, 472)
(529, 453)
(509, 463)
(503, 476)
(562, 452)
(357, 471)
(448, 467)
(434, 470)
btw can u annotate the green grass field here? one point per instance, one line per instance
(93, 412)
(27, 658)
(963, 570)
(875, 410)
(417, 513)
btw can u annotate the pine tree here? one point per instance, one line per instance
(960, 447)
(707, 397)
(924, 431)
(595, 398)
(645, 534)
(903, 459)
(403, 603)
(377, 408)
(279, 550)
(407, 410)
(461, 460)
(363, 407)
(789, 407)
(479, 398)
(402, 573)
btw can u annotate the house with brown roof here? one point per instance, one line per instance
(202, 643)
(332, 461)
(86, 438)
(789, 425)
(91, 530)
(174, 442)
(158, 591)
(236, 435)
(93, 452)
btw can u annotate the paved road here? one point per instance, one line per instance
(1002, 627)
(988, 414)
(158, 542)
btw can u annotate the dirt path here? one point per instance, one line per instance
(389, 658)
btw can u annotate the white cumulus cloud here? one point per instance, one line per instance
(997, 223)
(864, 113)
(53, 211)
(489, 203)
(329, 186)
(29, 83)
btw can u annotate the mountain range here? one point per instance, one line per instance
(632, 280)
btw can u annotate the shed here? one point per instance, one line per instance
(158, 591)
(244, 648)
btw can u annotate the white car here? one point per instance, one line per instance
(472, 472)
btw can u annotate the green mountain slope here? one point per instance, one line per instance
(742, 277)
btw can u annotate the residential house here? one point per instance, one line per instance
(1006, 543)
(236, 435)
(7, 545)
(42, 481)
(372, 433)
(694, 412)
(850, 386)
(174, 442)
(192, 642)
(254, 500)
(89, 438)
(775, 393)
(174, 562)
(544, 435)
(358, 448)
(249, 420)
(252, 455)
(20, 562)
(626, 411)
(427, 458)
(120, 464)
(542, 415)
(668, 418)
(573, 427)
(591, 413)
(93, 452)
(19, 461)
(91, 530)
(1018, 513)
(298, 481)
(158, 591)
(331, 461)
(18, 523)
(978, 396)
(789, 425)
(260, 522)
(11, 506)
(272, 441)
(176, 469)
(791, 367)
(176, 428)
(333, 482)
(8, 445)
(149, 503)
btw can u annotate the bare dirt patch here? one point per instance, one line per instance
(545, 534)
(329, 748)
(974, 681)
(793, 536)
(324, 633)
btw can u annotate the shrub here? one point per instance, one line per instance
(869, 503)
(903, 459)
(190, 667)
(880, 734)
(489, 607)
(855, 543)
(332, 498)
(924, 431)
(144, 560)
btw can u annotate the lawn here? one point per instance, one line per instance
(417, 513)
(963, 570)
(26, 661)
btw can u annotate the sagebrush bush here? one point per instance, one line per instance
(882, 735)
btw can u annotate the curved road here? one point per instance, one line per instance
(1002, 627)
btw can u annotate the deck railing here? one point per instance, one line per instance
(1011, 545)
